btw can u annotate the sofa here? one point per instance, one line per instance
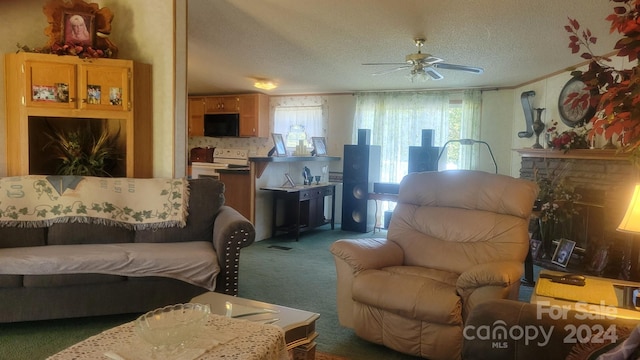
(514, 330)
(456, 239)
(74, 267)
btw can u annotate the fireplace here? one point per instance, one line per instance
(605, 181)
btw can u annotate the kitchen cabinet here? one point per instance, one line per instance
(254, 115)
(237, 193)
(196, 116)
(221, 104)
(66, 91)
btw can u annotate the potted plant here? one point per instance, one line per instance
(615, 93)
(88, 151)
(556, 207)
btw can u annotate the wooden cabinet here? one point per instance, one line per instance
(44, 89)
(237, 193)
(254, 115)
(303, 208)
(252, 108)
(196, 116)
(221, 104)
(89, 86)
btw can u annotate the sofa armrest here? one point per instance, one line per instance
(368, 253)
(548, 333)
(231, 232)
(351, 257)
(503, 273)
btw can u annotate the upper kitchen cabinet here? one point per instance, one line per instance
(221, 104)
(196, 116)
(49, 94)
(254, 115)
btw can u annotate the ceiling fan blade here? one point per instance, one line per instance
(471, 69)
(384, 72)
(432, 60)
(433, 73)
(393, 63)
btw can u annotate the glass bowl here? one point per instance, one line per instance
(169, 327)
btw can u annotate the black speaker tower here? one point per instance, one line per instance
(424, 157)
(360, 170)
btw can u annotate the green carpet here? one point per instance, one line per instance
(280, 270)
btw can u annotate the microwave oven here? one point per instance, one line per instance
(219, 125)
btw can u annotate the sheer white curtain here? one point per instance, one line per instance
(293, 114)
(396, 120)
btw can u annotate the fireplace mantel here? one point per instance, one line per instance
(586, 154)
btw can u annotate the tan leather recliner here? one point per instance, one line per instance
(456, 239)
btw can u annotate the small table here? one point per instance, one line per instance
(222, 338)
(613, 293)
(308, 204)
(381, 197)
(299, 326)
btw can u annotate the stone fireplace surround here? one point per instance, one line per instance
(605, 180)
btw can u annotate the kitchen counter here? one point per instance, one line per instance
(261, 162)
(242, 170)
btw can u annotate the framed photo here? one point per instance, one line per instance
(535, 248)
(78, 28)
(563, 252)
(289, 182)
(278, 142)
(319, 146)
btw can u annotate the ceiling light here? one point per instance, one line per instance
(418, 75)
(265, 85)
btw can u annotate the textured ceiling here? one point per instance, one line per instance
(319, 46)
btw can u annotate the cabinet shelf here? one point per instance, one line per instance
(261, 163)
(67, 90)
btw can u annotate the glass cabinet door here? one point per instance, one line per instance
(104, 87)
(50, 84)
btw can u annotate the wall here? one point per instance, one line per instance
(547, 93)
(143, 30)
(497, 110)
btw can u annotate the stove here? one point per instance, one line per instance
(223, 158)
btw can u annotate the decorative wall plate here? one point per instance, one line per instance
(572, 113)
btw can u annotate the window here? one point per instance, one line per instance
(398, 118)
(299, 119)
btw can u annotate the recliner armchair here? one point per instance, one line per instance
(456, 239)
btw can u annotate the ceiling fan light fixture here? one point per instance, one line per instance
(265, 84)
(418, 74)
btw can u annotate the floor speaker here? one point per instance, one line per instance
(423, 158)
(361, 168)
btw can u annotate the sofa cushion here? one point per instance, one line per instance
(69, 280)
(81, 233)
(420, 293)
(10, 281)
(17, 237)
(206, 196)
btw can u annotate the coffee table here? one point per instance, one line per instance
(299, 326)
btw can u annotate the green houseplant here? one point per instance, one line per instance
(88, 151)
(615, 93)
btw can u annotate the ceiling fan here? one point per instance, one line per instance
(423, 66)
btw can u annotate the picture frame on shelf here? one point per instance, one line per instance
(319, 146)
(563, 252)
(289, 182)
(535, 246)
(279, 144)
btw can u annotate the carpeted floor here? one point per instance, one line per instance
(323, 356)
(280, 270)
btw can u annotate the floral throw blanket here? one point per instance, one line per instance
(41, 200)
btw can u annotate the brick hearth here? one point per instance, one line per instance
(605, 180)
